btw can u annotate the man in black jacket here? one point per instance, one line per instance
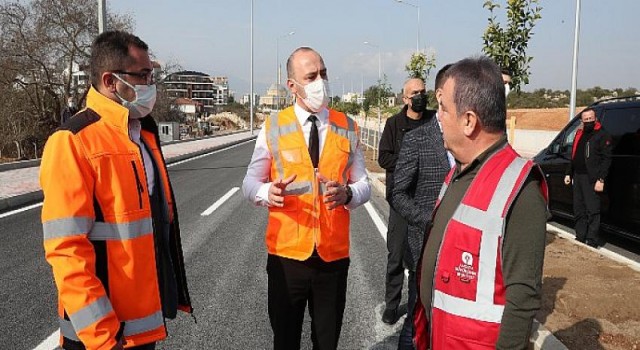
(589, 166)
(421, 168)
(413, 115)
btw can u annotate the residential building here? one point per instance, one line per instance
(200, 87)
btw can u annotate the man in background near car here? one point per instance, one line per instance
(412, 115)
(589, 166)
(422, 165)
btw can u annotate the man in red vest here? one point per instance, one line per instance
(480, 275)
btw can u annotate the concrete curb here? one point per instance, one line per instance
(541, 338)
(36, 162)
(22, 200)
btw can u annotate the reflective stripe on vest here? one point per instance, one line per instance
(91, 313)
(492, 225)
(66, 227)
(350, 134)
(275, 132)
(97, 231)
(131, 327)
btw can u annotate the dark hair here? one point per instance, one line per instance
(479, 88)
(589, 109)
(505, 71)
(290, 59)
(440, 76)
(110, 51)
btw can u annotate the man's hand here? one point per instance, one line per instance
(335, 194)
(599, 186)
(276, 189)
(567, 180)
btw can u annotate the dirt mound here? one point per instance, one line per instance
(553, 119)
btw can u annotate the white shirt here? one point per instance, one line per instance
(256, 186)
(134, 134)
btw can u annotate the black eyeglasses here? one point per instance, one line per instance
(146, 76)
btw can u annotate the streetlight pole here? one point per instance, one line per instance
(574, 71)
(418, 27)
(102, 15)
(278, 69)
(379, 95)
(251, 95)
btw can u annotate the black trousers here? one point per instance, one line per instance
(151, 346)
(405, 342)
(586, 208)
(293, 284)
(396, 241)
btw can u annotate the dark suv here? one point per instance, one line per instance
(620, 211)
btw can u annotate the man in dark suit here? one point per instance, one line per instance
(422, 165)
(412, 116)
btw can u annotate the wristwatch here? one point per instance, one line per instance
(347, 189)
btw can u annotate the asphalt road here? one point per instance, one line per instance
(225, 259)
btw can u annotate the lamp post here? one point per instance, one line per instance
(379, 95)
(278, 67)
(418, 27)
(574, 71)
(251, 96)
(102, 15)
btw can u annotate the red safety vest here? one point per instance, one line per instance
(469, 291)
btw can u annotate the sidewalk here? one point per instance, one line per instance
(20, 187)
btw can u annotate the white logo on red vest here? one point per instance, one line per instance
(465, 271)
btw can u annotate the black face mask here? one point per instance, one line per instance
(589, 126)
(419, 103)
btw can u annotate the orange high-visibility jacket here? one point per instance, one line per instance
(98, 229)
(304, 221)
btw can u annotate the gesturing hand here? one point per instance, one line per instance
(276, 191)
(335, 194)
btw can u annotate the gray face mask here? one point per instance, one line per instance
(145, 99)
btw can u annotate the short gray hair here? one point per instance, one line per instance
(479, 88)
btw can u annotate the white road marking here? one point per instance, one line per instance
(220, 201)
(9, 213)
(377, 220)
(51, 342)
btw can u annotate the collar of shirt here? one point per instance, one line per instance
(134, 130)
(302, 115)
(474, 166)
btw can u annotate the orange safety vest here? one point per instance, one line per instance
(469, 292)
(98, 229)
(304, 221)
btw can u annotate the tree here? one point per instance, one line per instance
(508, 46)
(374, 95)
(41, 42)
(420, 65)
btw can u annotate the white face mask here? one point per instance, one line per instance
(507, 90)
(317, 94)
(145, 99)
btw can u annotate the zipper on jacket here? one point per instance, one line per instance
(316, 209)
(138, 183)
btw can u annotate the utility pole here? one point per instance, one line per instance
(574, 71)
(251, 95)
(102, 16)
